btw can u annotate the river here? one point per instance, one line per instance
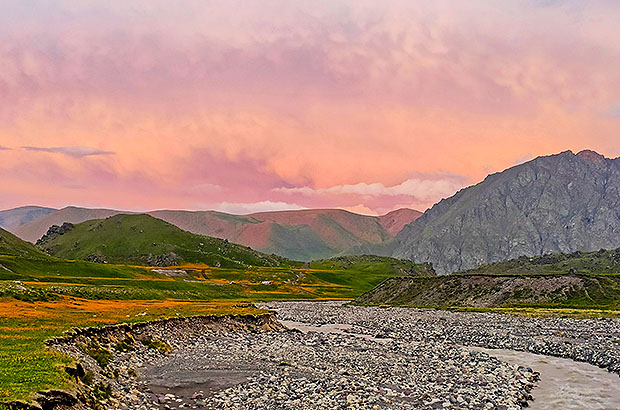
(564, 384)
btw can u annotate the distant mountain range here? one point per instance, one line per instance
(553, 204)
(14, 218)
(298, 235)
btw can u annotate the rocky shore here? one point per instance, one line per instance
(349, 357)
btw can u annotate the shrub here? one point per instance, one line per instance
(102, 356)
(160, 346)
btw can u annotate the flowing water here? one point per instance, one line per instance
(564, 384)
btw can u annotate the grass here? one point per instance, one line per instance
(597, 262)
(42, 297)
(26, 365)
(161, 347)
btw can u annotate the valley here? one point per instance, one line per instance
(102, 309)
(43, 296)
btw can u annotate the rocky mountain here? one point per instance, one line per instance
(299, 235)
(11, 219)
(141, 239)
(553, 204)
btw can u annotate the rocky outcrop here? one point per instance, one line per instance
(169, 259)
(560, 203)
(48, 400)
(55, 231)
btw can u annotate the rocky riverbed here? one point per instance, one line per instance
(365, 358)
(594, 341)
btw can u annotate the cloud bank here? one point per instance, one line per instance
(318, 104)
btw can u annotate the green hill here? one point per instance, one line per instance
(144, 240)
(598, 262)
(576, 280)
(13, 246)
(372, 263)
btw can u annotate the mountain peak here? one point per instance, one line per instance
(590, 155)
(394, 221)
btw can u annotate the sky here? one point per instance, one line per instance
(247, 105)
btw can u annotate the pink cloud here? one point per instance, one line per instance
(323, 104)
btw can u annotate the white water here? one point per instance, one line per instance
(564, 384)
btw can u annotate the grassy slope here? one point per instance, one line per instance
(603, 261)
(371, 263)
(12, 245)
(566, 291)
(577, 280)
(145, 240)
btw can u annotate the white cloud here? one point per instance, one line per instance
(359, 209)
(248, 208)
(422, 189)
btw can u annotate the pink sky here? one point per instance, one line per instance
(259, 105)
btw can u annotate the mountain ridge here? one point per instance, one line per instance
(300, 234)
(564, 202)
(10, 219)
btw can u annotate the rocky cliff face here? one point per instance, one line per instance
(560, 203)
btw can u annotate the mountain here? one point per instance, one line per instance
(144, 240)
(13, 218)
(579, 279)
(554, 204)
(35, 229)
(299, 235)
(13, 246)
